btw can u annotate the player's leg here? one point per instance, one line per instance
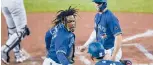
(49, 61)
(11, 25)
(19, 17)
(119, 55)
(22, 29)
(19, 57)
(17, 48)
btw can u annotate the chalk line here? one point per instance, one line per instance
(148, 33)
(143, 50)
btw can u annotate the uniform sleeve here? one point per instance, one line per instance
(62, 58)
(114, 26)
(61, 47)
(48, 37)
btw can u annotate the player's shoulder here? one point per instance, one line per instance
(112, 15)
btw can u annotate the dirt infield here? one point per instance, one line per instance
(131, 24)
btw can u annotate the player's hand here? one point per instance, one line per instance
(112, 58)
(81, 48)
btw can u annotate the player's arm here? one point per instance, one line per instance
(62, 58)
(117, 45)
(91, 39)
(48, 37)
(116, 31)
(61, 50)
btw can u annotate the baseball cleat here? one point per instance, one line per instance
(5, 57)
(19, 60)
(21, 57)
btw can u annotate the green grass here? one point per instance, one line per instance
(86, 5)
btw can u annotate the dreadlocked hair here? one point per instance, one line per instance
(62, 14)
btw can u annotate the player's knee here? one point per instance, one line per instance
(11, 30)
(24, 32)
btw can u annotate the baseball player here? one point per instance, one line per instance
(15, 15)
(100, 55)
(60, 39)
(106, 27)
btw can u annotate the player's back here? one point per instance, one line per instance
(108, 62)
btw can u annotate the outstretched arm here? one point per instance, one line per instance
(91, 38)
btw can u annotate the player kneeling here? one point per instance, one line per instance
(99, 54)
(60, 39)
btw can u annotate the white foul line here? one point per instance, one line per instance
(146, 34)
(142, 49)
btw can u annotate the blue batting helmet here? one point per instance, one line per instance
(96, 49)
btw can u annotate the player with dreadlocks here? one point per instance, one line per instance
(60, 38)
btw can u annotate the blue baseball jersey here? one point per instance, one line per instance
(60, 44)
(107, 26)
(108, 62)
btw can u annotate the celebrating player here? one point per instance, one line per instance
(60, 39)
(107, 31)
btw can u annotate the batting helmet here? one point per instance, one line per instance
(96, 49)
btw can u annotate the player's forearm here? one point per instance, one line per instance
(62, 58)
(118, 43)
(91, 38)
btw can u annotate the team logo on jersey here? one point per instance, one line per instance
(101, 28)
